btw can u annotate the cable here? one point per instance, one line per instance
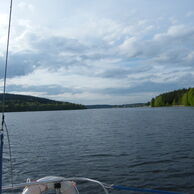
(10, 153)
(3, 124)
(6, 62)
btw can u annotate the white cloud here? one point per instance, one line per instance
(130, 47)
(190, 56)
(63, 77)
(23, 6)
(93, 51)
(3, 19)
(175, 31)
(3, 32)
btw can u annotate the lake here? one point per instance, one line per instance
(139, 147)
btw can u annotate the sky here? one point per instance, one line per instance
(98, 51)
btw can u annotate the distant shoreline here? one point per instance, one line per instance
(102, 108)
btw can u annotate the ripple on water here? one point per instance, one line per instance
(142, 147)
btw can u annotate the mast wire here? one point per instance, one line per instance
(10, 153)
(3, 123)
(6, 64)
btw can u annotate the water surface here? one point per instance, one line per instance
(139, 147)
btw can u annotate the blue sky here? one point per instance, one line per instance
(97, 51)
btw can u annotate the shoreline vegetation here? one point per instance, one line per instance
(22, 103)
(182, 97)
(135, 105)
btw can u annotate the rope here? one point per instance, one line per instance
(142, 190)
(1, 159)
(10, 153)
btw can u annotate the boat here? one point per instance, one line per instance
(50, 183)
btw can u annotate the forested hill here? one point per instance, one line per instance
(183, 97)
(16, 103)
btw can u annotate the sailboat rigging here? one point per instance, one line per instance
(3, 124)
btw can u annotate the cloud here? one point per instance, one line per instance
(176, 32)
(3, 19)
(23, 6)
(19, 65)
(98, 57)
(130, 47)
(168, 48)
(44, 90)
(190, 14)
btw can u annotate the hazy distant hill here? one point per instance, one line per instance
(116, 106)
(132, 105)
(182, 97)
(18, 103)
(99, 106)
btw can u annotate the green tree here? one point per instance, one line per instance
(191, 96)
(159, 101)
(184, 100)
(152, 102)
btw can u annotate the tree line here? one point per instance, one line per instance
(182, 97)
(17, 103)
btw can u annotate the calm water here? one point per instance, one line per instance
(140, 147)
